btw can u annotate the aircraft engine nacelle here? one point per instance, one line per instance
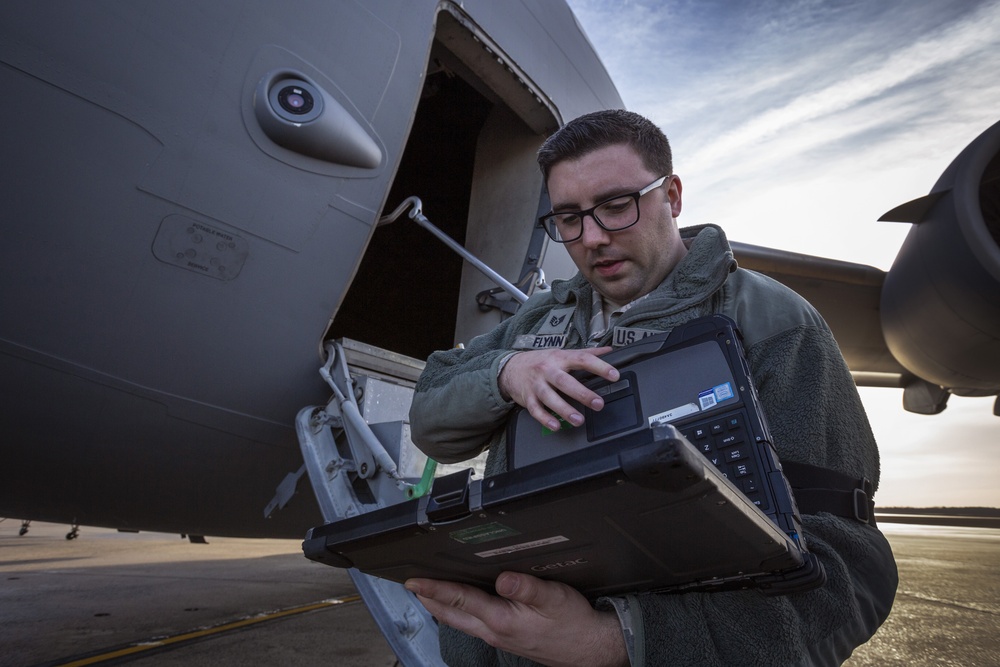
(940, 303)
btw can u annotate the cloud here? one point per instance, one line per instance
(726, 80)
(866, 100)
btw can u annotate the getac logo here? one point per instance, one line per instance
(559, 565)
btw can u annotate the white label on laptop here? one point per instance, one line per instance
(484, 533)
(523, 546)
(674, 414)
(707, 400)
(717, 394)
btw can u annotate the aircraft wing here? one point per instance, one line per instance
(846, 294)
(931, 324)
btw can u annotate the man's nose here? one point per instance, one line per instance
(593, 235)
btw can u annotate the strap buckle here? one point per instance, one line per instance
(864, 506)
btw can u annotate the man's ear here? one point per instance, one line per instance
(674, 190)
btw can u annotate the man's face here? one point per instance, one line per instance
(627, 264)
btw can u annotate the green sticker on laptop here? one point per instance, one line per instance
(484, 533)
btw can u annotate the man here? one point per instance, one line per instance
(615, 201)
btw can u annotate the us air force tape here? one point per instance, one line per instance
(625, 336)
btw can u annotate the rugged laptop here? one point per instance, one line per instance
(673, 486)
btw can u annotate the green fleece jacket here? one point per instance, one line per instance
(815, 416)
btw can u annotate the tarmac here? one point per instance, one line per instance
(156, 600)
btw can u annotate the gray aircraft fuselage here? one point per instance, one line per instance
(180, 236)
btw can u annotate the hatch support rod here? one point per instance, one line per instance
(417, 215)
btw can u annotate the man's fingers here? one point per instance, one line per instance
(449, 593)
(549, 406)
(529, 590)
(593, 364)
(453, 604)
(569, 386)
(542, 382)
(546, 621)
(468, 609)
(563, 385)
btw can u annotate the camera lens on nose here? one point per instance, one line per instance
(295, 100)
(291, 99)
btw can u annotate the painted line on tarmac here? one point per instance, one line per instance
(173, 640)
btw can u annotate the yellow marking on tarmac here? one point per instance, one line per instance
(160, 642)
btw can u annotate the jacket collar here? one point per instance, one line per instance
(703, 270)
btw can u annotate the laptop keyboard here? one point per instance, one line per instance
(726, 442)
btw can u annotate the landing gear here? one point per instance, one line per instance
(74, 531)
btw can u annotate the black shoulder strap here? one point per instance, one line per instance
(819, 489)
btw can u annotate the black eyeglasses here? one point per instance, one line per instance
(612, 215)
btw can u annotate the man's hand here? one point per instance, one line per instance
(535, 379)
(546, 621)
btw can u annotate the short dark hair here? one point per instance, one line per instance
(598, 129)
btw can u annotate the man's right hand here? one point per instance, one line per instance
(539, 380)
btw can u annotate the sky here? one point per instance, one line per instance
(795, 124)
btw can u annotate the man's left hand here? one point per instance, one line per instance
(546, 621)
